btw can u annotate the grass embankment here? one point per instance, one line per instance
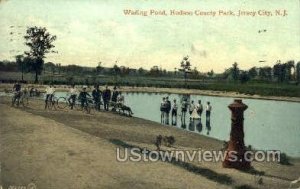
(69, 149)
(250, 88)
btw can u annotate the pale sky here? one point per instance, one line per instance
(90, 31)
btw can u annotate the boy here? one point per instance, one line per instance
(174, 112)
(83, 97)
(199, 108)
(97, 97)
(50, 90)
(72, 98)
(208, 111)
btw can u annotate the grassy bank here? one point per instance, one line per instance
(250, 88)
(70, 149)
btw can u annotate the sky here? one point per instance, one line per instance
(92, 31)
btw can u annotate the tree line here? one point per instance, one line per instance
(280, 72)
(40, 43)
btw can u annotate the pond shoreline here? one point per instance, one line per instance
(64, 88)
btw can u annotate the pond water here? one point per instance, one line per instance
(268, 124)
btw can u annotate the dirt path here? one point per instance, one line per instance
(69, 149)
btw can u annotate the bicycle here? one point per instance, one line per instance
(63, 102)
(51, 103)
(89, 106)
(19, 98)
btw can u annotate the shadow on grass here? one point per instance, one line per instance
(244, 187)
(255, 172)
(207, 173)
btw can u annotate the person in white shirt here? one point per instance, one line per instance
(208, 111)
(50, 90)
(73, 94)
(121, 99)
(191, 108)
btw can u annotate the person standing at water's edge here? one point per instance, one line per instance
(115, 95)
(83, 96)
(121, 100)
(168, 109)
(208, 111)
(96, 93)
(199, 108)
(162, 110)
(191, 108)
(16, 93)
(184, 106)
(174, 112)
(73, 94)
(50, 90)
(114, 98)
(106, 97)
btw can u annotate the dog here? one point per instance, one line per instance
(124, 109)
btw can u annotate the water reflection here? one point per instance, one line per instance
(192, 125)
(195, 125)
(199, 125)
(183, 123)
(208, 127)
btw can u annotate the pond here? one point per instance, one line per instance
(268, 125)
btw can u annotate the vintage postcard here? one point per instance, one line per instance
(149, 94)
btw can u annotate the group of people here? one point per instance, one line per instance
(114, 98)
(109, 98)
(195, 110)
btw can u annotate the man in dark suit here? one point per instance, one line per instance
(106, 97)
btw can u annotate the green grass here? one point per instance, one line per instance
(250, 88)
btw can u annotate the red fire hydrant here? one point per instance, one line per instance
(235, 153)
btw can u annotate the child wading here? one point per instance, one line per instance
(199, 108)
(174, 113)
(184, 106)
(163, 110)
(168, 109)
(208, 111)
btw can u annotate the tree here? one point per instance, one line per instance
(265, 73)
(244, 77)
(20, 63)
(154, 71)
(235, 71)
(211, 73)
(185, 67)
(288, 70)
(70, 80)
(194, 73)
(99, 68)
(278, 71)
(298, 71)
(141, 71)
(40, 43)
(116, 69)
(58, 66)
(252, 72)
